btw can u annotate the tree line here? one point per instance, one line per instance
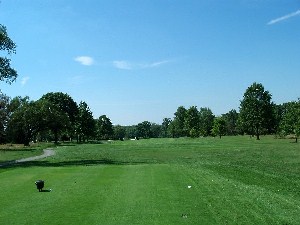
(57, 117)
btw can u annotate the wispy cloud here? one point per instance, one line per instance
(286, 17)
(123, 65)
(85, 60)
(126, 65)
(156, 64)
(24, 80)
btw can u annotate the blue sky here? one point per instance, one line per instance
(136, 60)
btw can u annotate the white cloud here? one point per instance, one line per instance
(277, 20)
(85, 60)
(124, 65)
(24, 80)
(159, 63)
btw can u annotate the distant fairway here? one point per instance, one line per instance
(233, 180)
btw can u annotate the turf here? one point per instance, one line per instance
(10, 152)
(235, 180)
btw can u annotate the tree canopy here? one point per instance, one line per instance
(56, 116)
(256, 111)
(7, 73)
(290, 123)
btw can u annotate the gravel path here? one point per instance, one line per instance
(47, 152)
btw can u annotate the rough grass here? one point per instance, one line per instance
(234, 180)
(10, 152)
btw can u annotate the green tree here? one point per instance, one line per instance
(4, 116)
(119, 132)
(156, 130)
(165, 126)
(66, 104)
(278, 116)
(290, 123)
(7, 73)
(191, 122)
(178, 123)
(219, 127)
(144, 129)
(25, 122)
(104, 128)
(51, 118)
(256, 110)
(131, 131)
(206, 119)
(231, 120)
(85, 123)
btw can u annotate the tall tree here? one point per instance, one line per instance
(191, 122)
(4, 115)
(256, 110)
(7, 73)
(104, 128)
(85, 125)
(290, 123)
(52, 118)
(165, 126)
(66, 104)
(206, 119)
(177, 125)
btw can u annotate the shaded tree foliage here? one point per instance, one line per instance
(231, 122)
(119, 132)
(155, 130)
(206, 119)
(290, 123)
(104, 128)
(144, 129)
(131, 131)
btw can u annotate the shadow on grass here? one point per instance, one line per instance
(66, 163)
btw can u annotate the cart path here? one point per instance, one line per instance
(47, 152)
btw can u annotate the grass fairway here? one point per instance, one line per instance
(235, 180)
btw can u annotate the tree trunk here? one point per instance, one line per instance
(56, 137)
(26, 143)
(257, 133)
(26, 140)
